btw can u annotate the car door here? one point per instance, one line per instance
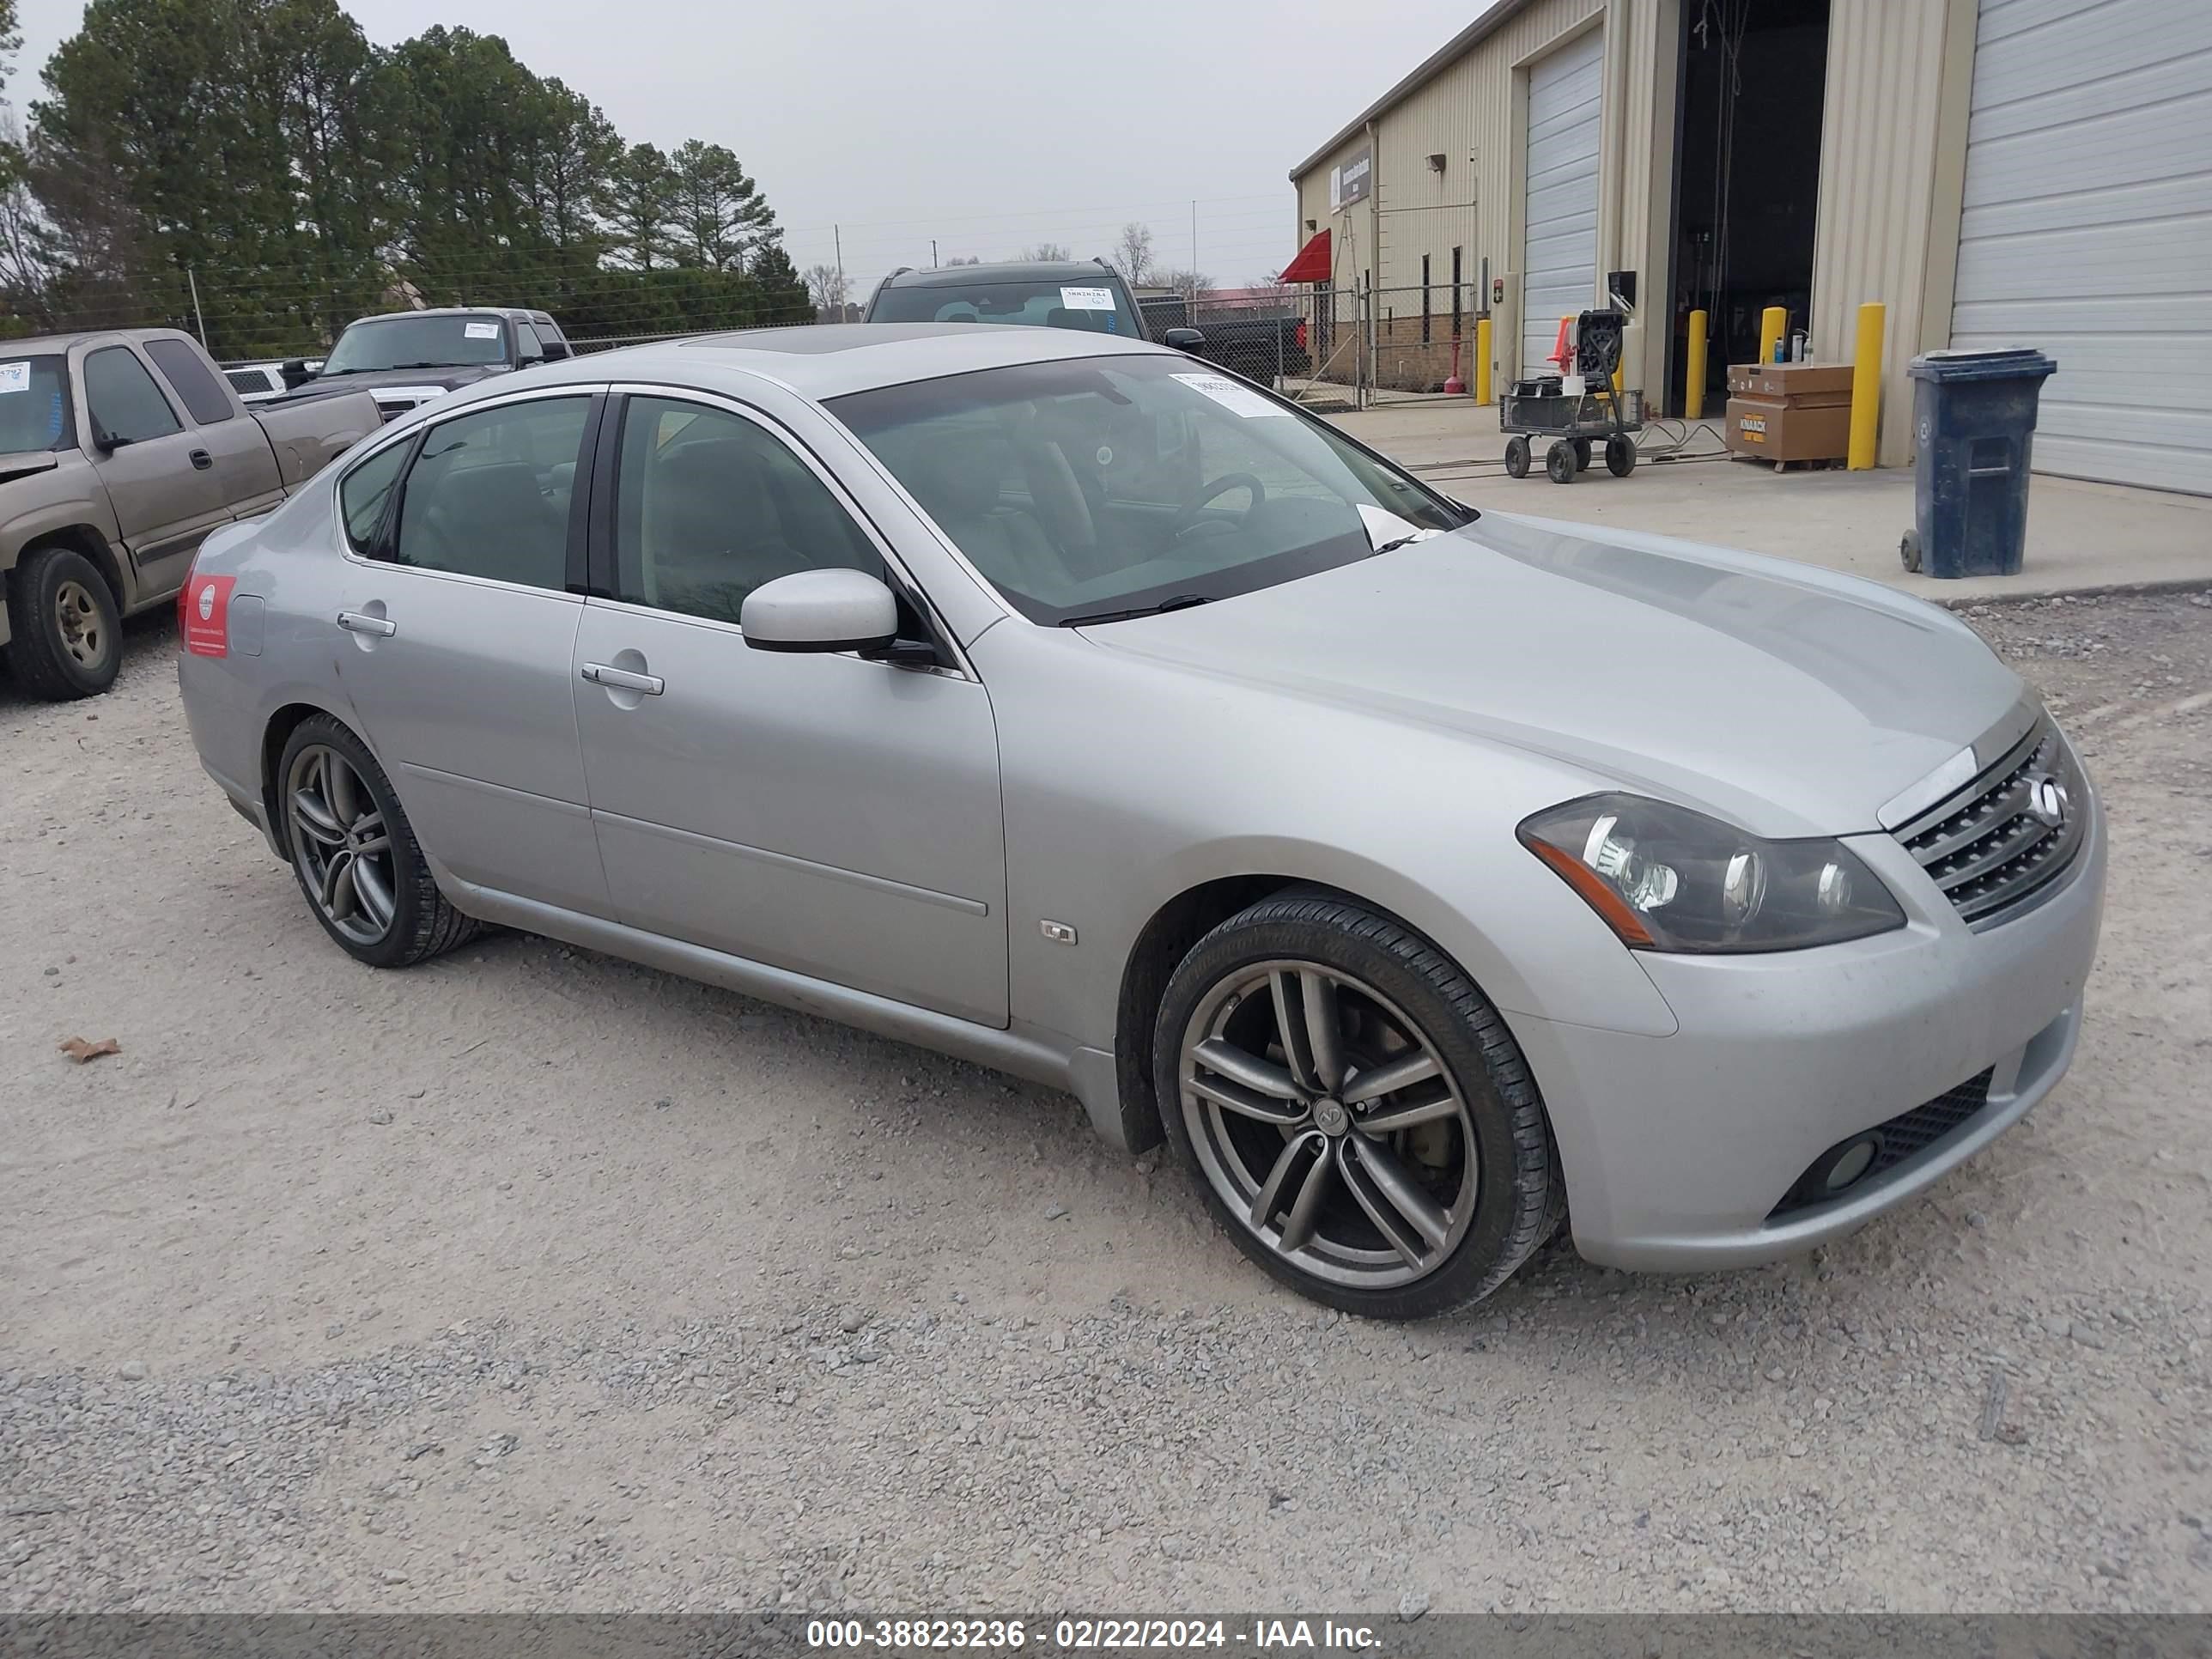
(238, 452)
(830, 814)
(455, 634)
(159, 476)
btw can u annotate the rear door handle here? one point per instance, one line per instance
(621, 680)
(202, 460)
(355, 622)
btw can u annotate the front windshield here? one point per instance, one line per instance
(33, 405)
(446, 342)
(1098, 308)
(1098, 487)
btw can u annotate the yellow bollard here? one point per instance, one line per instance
(1694, 391)
(1482, 359)
(1771, 322)
(1866, 386)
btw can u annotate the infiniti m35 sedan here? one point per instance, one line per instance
(1054, 700)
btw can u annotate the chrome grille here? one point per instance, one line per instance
(1988, 847)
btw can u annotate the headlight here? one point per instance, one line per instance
(1667, 878)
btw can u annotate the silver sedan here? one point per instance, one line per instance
(1056, 701)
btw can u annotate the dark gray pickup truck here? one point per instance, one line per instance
(119, 454)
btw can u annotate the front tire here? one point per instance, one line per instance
(67, 632)
(1516, 457)
(356, 855)
(1352, 1110)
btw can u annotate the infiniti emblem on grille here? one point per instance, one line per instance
(2047, 799)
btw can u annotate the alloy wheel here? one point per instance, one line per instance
(342, 844)
(76, 615)
(1329, 1124)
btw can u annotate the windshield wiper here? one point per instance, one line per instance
(1180, 602)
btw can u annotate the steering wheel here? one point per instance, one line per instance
(1186, 516)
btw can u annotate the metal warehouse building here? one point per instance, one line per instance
(1995, 172)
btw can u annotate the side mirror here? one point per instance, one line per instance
(833, 610)
(1183, 339)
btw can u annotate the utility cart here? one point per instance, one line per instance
(1574, 422)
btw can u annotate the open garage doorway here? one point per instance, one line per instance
(1746, 181)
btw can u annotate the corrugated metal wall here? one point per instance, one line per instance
(1893, 140)
(1470, 115)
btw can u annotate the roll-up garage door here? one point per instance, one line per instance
(1558, 261)
(2087, 227)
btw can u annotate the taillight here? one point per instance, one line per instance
(184, 600)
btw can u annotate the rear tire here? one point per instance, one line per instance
(1466, 1175)
(67, 631)
(358, 863)
(1559, 462)
(1619, 456)
(1582, 454)
(1516, 457)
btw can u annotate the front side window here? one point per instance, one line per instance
(488, 494)
(192, 379)
(1117, 483)
(424, 341)
(34, 405)
(125, 406)
(1098, 306)
(710, 505)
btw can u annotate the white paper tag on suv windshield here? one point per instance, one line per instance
(15, 377)
(1236, 399)
(1087, 299)
(480, 330)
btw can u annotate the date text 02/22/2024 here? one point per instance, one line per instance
(1088, 1635)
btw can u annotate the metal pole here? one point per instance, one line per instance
(193, 282)
(1194, 253)
(837, 241)
(1866, 386)
(933, 254)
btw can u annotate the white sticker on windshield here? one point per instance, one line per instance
(480, 330)
(15, 377)
(1236, 399)
(1087, 299)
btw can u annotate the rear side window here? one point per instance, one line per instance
(124, 402)
(193, 380)
(488, 494)
(364, 493)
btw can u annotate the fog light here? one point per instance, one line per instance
(1854, 1161)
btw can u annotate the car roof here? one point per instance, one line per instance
(1013, 270)
(36, 345)
(509, 312)
(828, 360)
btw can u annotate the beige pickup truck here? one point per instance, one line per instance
(119, 454)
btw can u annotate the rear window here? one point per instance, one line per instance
(35, 410)
(192, 379)
(1099, 307)
(247, 381)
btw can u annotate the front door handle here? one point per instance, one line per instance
(355, 622)
(202, 460)
(622, 679)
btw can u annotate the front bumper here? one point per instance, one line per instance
(1677, 1150)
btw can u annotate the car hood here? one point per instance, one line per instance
(1789, 700)
(449, 376)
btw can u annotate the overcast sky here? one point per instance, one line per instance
(989, 124)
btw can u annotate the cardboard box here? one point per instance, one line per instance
(1809, 383)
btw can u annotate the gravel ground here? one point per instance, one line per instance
(530, 1280)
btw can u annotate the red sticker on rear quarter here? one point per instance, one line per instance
(207, 616)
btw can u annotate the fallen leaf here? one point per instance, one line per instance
(80, 1050)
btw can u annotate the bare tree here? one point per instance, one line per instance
(826, 287)
(965, 259)
(1132, 254)
(1193, 286)
(1051, 254)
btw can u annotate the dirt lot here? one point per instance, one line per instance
(533, 1279)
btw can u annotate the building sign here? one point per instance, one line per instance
(1351, 182)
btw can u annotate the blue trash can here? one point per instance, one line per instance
(1973, 414)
